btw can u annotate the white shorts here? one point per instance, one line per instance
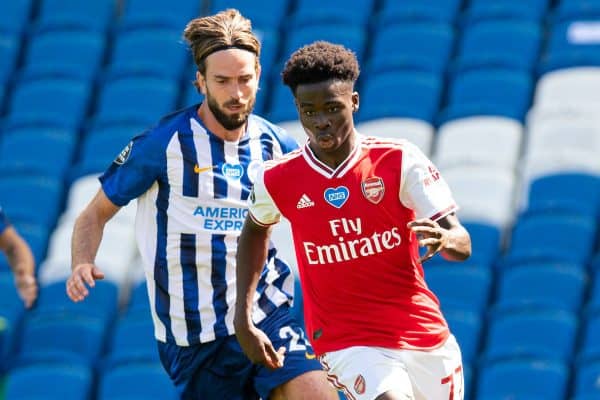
(363, 373)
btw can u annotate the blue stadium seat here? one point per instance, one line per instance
(14, 15)
(101, 304)
(572, 10)
(75, 15)
(36, 235)
(587, 381)
(49, 381)
(11, 313)
(315, 12)
(486, 242)
(593, 304)
(135, 100)
(565, 192)
(460, 287)
(102, 145)
(501, 44)
(420, 99)
(32, 199)
(421, 46)
(38, 151)
(531, 10)
(132, 341)
(266, 14)
(517, 335)
(142, 14)
(49, 102)
(535, 286)
(191, 96)
(136, 382)
(552, 237)
(590, 347)
(351, 36)
(466, 326)
(9, 52)
(138, 299)
(489, 91)
(281, 106)
(270, 40)
(134, 54)
(522, 379)
(64, 54)
(400, 11)
(570, 45)
(56, 338)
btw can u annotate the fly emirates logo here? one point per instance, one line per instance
(352, 248)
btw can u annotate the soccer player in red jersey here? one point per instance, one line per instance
(359, 207)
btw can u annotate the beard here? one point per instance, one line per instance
(233, 121)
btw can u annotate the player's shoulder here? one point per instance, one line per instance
(285, 161)
(400, 144)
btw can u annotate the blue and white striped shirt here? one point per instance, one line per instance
(192, 189)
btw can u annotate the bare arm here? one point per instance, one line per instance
(251, 256)
(87, 235)
(446, 236)
(22, 264)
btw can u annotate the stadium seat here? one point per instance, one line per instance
(64, 54)
(399, 11)
(281, 107)
(264, 14)
(531, 10)
(552, 237)
(138, 298)
(191, 95)
(489, 91)
(570, 88)
(14, 16)
(575, 193)
(102, 145)
(32, 199)
(590, 348)
(75, 15)
(460, 287)
(62, 338)
(49, 102)
(486, 242)
(131, 342)
(523, 379)
(419, 99)
(9, 52)
(36, 235)
(535, 286)
(37, 151)
(141, 381)
(572, 10)
(517, 335)
(483, 194)
(593, 304)
(571, 44)
(50, 381)
(11, 313)
(315, 12)
(135, 101)
(418, 132)
(134, 54)
(143, 14)
(420, 46)
(499, 44)
(351, 36)
(466, 326)
(492, 141)
(587, 381)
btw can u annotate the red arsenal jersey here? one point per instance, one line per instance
(358, 262)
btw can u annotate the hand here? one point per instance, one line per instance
(431, 235)
(26, 287)
(258, 347)
(82, 274)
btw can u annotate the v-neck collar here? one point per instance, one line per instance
(324, 169)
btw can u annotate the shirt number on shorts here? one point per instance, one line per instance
(453, 379)
(288, 333)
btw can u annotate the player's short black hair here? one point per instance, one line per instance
(318, 62)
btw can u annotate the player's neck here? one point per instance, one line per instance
(214, 126)
(335, 157)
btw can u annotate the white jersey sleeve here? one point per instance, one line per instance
(260, 204)
(422, 187)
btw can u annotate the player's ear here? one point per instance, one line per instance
(201, 83)
(355, 101)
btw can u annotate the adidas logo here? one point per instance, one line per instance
(304, 202)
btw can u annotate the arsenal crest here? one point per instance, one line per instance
(373, 189)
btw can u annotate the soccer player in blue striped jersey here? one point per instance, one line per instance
(20, 259)
(191, 175)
